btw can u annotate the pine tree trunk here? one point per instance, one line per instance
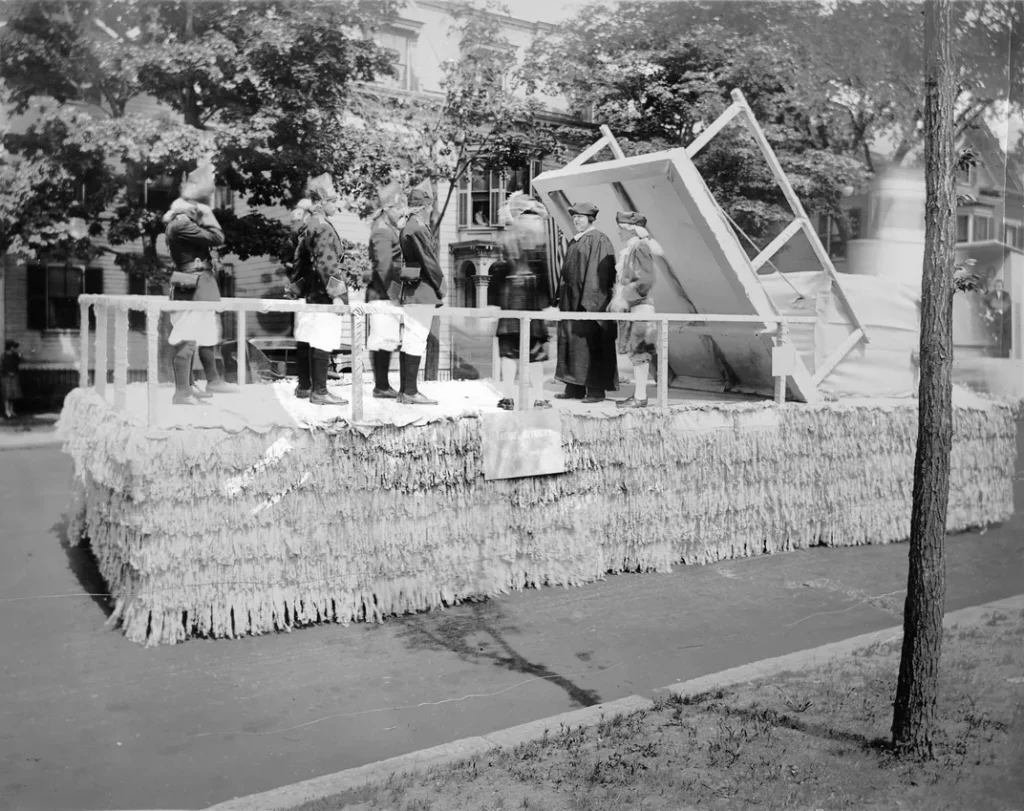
(916, 691)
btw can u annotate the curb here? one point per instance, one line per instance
(32, 439)
(350, 780)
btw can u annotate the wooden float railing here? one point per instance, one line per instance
(153, 306)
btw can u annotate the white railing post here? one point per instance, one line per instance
(120, 357)
(358, 325)
(780, 380)
(240, 356)
(524, 365)
(83, 348)
(152, 361)
(663, 363)
(99, 380)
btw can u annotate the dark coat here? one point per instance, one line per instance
(418, 251)
(385, 259)
(586, 349)
(324, 253)
(190, 244)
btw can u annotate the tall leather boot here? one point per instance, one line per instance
(214, 382)
(381, 370)
(410, 368)
(318, 369)
(182, 363)
(302, 363)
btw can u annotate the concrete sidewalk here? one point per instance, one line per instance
(30, 431)
(91, 721)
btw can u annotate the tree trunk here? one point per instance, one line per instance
(916, 691)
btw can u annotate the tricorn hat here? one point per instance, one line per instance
(200, 185)
(321, 188)
(586, 209)
(420, 197)
(390, 196)
(630, 218)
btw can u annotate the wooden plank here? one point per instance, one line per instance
(780, 381)
(83, 341)
(706, 135)
(99, 379)
(841, 352)
(794, 202)
(358, 327)
(612, 143)
(152, 363)
(120, 358)
(776, 244)
(663, 370)
(588, 153)
(241, 338)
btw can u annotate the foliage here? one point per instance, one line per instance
(658, 90)
(261, 88)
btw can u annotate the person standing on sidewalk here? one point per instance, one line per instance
(323, 246)
(193, 233)
(10, 377)
(419, 289)
(586, 349)
(633, 294)
(386, 333)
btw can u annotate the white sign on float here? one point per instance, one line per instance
(783, 360)
(519, 444)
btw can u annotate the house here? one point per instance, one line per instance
(38, 303)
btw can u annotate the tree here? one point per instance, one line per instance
(916, 691)
(487, 117)
(261, 88)
(661, 94)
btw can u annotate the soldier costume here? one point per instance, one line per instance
(385, 331)
(192, 234)
(298, 273)
(418, 290)
(586, 349)
(322, 248)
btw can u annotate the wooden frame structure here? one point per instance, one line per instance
(676, 168)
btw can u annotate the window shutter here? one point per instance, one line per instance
(36, 304)
(463, 195)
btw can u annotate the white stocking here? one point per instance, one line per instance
(508, 378)
(640, 374)
(537, 382)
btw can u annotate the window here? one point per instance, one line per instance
(224, 198)
(967, 176)
(983, 229)
(1013, 234)
(402, 43)
(139, 285)
(830, 236)
(854, 217)
(482, 194)
(53, 292)
(963, 228)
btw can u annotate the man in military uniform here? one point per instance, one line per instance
(418, 290)
(298, 272)
(322, 247)
(385, 330)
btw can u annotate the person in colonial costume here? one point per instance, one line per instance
(634, 294)
(193, 234)
(586, 349)
(386, 333)
(298, 273)
(1000, 316)
(319, 258)
(522, 285)
(418, 290)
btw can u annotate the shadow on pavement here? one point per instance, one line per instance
(476, 634)
(83, 566)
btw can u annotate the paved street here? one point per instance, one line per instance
(91, 721)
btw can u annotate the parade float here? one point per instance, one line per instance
(785, 419)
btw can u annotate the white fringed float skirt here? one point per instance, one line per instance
(227, 533)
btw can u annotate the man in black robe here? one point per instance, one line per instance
(385, 332)
(587, 362)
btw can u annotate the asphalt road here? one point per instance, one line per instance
(91, 721)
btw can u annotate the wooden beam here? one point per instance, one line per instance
(588, 153)
(705, 136)
(841, 352)
(624, 199)
(83, 345)
(152, 363)
(776, 244)
(612, 143)
(99, 380)
(794, 202)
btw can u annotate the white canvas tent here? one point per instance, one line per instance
(706, 269)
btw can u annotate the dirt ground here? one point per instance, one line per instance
(811, 740)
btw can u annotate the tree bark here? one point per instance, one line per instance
(914, 710)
